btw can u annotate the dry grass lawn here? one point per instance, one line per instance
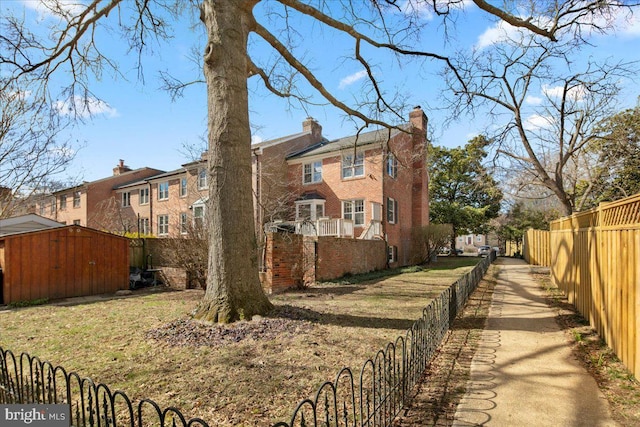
(257, 380)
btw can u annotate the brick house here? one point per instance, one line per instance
(166, 204)
(369, 186)
(93, 204)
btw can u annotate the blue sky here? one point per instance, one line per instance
(137, 121)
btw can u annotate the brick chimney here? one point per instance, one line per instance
(418, 119)
(121, 168)
(311, 125)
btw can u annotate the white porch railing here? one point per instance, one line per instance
(372, 231)
(337, 227)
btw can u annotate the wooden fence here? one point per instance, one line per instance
(536, 249)
(596, 263)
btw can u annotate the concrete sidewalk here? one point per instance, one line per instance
(523, 373)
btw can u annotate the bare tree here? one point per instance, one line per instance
(31, 150)
(233, 289)
(545, 107)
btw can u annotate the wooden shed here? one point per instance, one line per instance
(62, 262)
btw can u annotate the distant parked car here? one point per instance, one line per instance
(444, 251)
(484, 250)
(497, 249)
(459, 251)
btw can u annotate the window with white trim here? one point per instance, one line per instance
(163, 225)
(198, 216)
(353, 210)
(309, 210)
(143, 198)
(352, 166)
(76, 199)
(143, 225)
(183, 187)
(392, 253)
(392, 165)
(163, 190)
(184, 223)
(63, 202)
(126, 199)
(54, 205)
(392, 211)
(312, 172)
(202, 178)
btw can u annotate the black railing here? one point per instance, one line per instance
(26, 379)
(374, 399)
(386, 381)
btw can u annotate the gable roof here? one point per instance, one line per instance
(26, 223)
(361, 140)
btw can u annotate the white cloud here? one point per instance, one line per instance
(576, 93)
(425, 9)
(84, 107)
(537, 121)
(496, 34)
(58, 8)
(533, 100)
(351, 79)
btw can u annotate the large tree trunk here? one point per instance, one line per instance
(233, 285)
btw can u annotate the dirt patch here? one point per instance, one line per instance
(284, 321)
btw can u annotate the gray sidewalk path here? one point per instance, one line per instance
(523, 373)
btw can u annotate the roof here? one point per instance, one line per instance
(26, 223)
(361, 140)
(146, 180)
(280, 140)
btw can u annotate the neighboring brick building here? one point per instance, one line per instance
(93, 204)
(371, 185)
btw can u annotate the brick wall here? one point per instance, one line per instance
(290, 259)
(337, 257)
(283, 262)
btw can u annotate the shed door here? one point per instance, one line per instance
(72, 272)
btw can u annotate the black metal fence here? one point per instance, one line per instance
(385, 382)
(26, 379)
(374, 399)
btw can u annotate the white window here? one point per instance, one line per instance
(163, 225)
(144, 196)
(353, 210)
(143, 225)
(198, 216)
(202, 178)
(163, 191)
(183, 187)
(309, 209)
(54, 205)
(392, 211)
(184, 224)
(76, 222)
(126, 199)
(312, 172)
(42, 208)
(392, 253)
(352, 166)
(76, 199)
(392, 165)
(63, 202)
